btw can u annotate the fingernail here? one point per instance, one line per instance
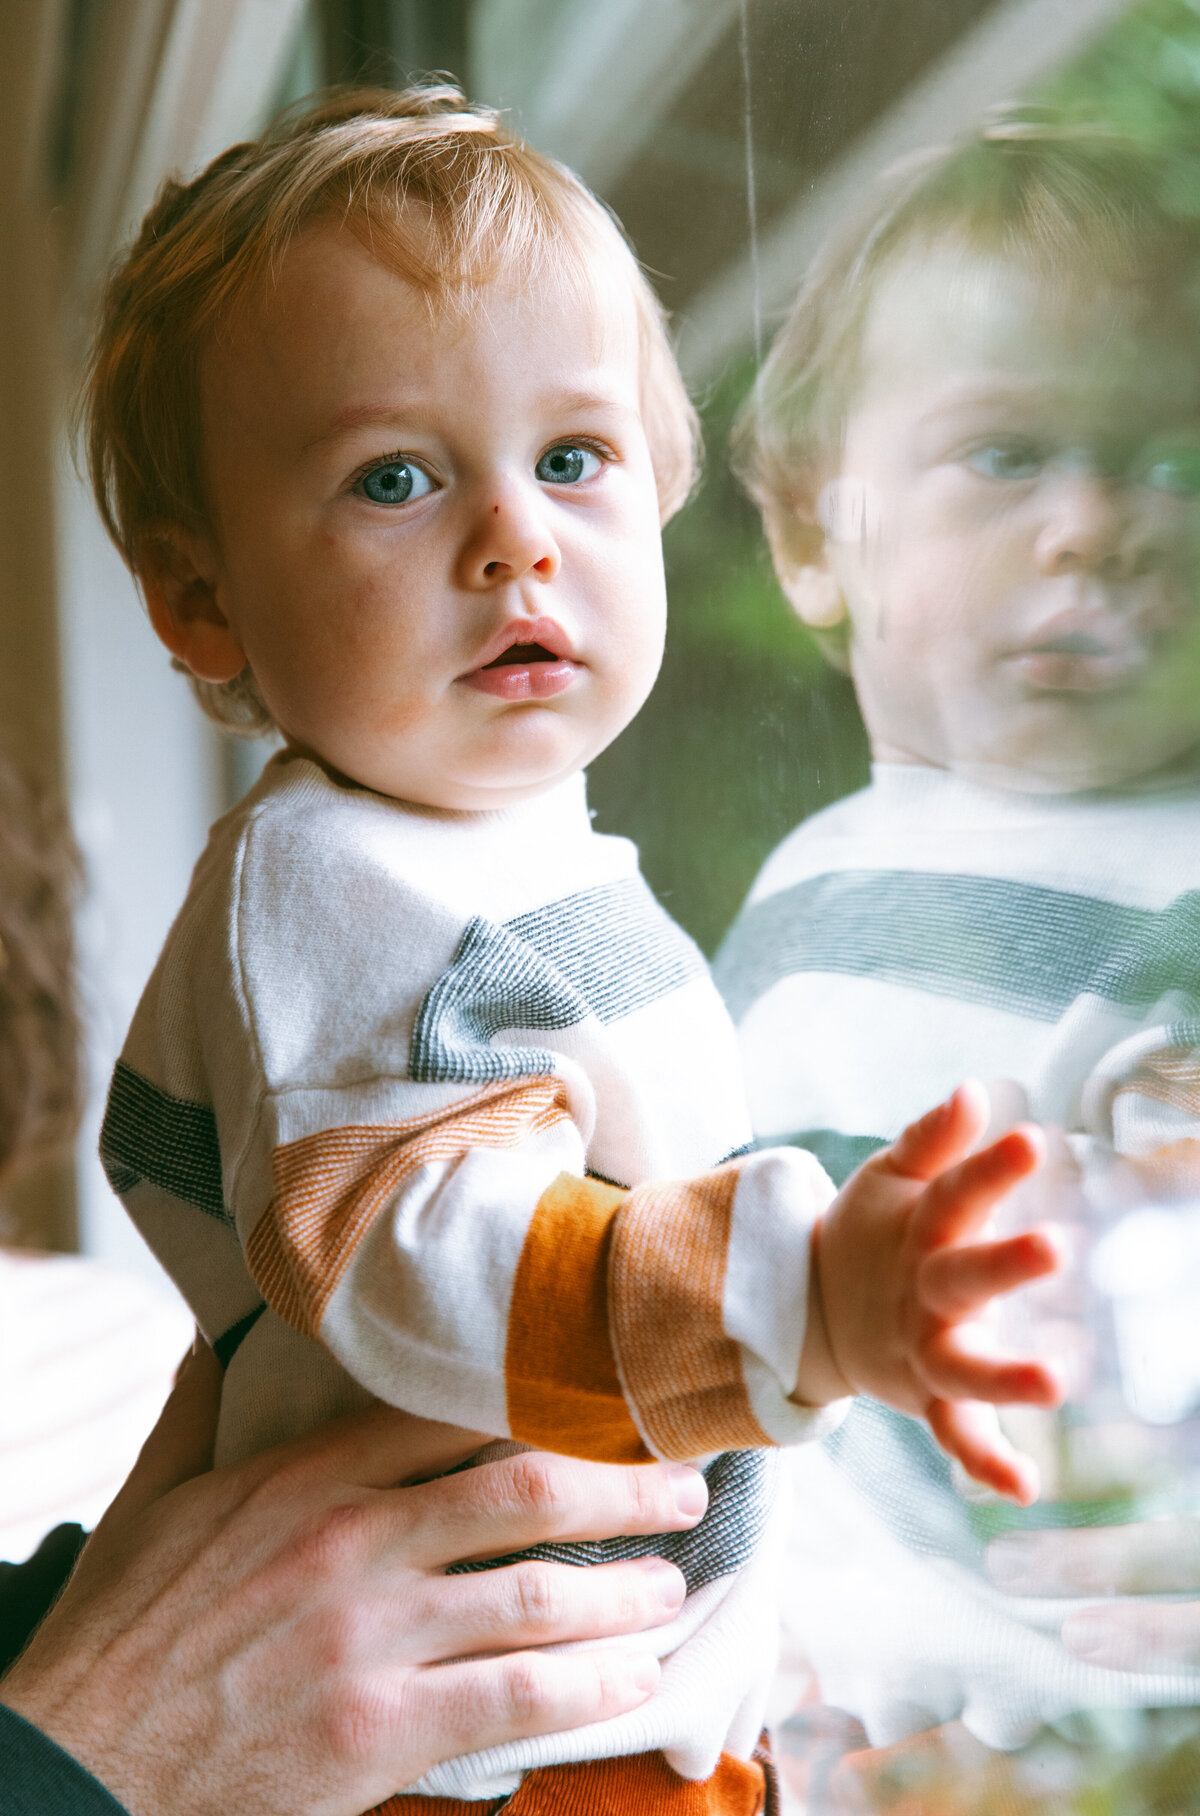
(644, 1671)
(690, 1491)
(667, 1582)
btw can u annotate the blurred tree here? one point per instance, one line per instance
(748, 731)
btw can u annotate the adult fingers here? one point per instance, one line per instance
(248, 1508)
(533, 1498)
(540, 1604)
(955, 1281)
(1145, 1557)
(179, 1448)
(940, 1137)
(971, 1433)
(181, 1444)
(485, 1702)
(380, 1447)
(960, 1198)
(1136, 1636)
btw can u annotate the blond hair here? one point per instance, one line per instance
(1065, 201)
(440, 191)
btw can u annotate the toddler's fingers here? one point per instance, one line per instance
(1126, 1637)
(971, 1433)
(956, 1281)
(1146, 1557)
(940, 1137)
(956, 1372)
(961, 1197)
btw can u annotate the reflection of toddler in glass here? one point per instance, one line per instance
(976, 446)
(385, 419)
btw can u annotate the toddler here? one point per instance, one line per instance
(385, 420)
(976, 447)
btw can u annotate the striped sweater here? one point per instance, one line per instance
(396, 1112)
(923, 930)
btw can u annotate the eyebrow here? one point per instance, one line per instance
(579, 402)
(362, 416)
(415, 415)
(987, 396)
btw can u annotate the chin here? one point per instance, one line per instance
(503, 785)
(1029, 779)
(1060, 772)
(533, 755)
(1079, 746)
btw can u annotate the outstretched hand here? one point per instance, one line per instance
(900, 1272)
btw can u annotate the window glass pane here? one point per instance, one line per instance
(977, 449)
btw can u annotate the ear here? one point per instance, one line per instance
(178, 571)
(801, 557)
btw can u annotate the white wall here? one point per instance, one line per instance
(145, 776)
(146, 772)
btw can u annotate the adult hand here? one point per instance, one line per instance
(277, 1635)
(1151, 1557)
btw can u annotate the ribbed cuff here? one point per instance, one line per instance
(38, 1779)
(28, 1591)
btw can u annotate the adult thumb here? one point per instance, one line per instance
(181, 1443)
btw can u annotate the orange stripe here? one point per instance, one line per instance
(1170, 1076)
(332, 1186)
(641, 1784)
(1172, 1170)
(682, 1373)
(563, 1390)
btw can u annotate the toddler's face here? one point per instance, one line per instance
(1016, 527)
(436, 540)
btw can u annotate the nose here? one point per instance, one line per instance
(510, 538)
(1093, 526)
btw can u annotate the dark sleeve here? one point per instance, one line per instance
(28, 1591)
(39, 1779)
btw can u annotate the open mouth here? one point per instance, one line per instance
(1081, 662)
(536, 669)
(1074, 643)
(523, 654)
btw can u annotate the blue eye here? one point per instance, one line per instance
(1173, 469)
(1006, 460)
(566, 465)
(395, 482)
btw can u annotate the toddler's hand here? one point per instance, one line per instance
(896, 1278)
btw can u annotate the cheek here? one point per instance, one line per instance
(622, 582)
(1177, 532)
(643, 634)
(965, 566)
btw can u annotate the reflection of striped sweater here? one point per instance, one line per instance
(923, 930)
(391, 1112)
